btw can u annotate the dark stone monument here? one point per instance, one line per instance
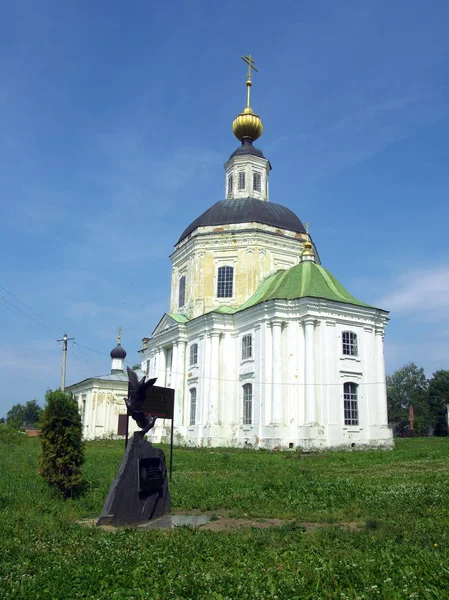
(140, 491)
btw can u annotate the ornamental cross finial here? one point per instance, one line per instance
(307, 227)
(250, 62)
(119, 336)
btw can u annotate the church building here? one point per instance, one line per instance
(262, 345)
(101, 399)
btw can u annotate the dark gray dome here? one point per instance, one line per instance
(247, 149)
(246, 210)
(118, 352)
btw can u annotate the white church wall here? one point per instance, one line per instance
(219, 383)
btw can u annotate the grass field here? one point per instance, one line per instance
(397, 546)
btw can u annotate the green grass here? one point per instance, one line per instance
(399, 501)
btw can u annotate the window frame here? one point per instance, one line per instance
(242, 181)
(349, 343)
(247, 404)
(193, 355)
(182, 291)
(247, 348)
(351, 404)
(257, 177)
(230, 184)
(225, 283)
(192, 405)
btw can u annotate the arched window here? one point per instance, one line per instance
(229, 185)
(247, 346)
(257, 182)
(193, 354)
(192, 418)
(247, 404)
(241, 180)
(349, 340)
(225, 282)
(350, 403)
(182, 291)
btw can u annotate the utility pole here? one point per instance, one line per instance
(64, 358)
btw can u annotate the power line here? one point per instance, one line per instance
(286, 383)
(30, 309)
(83, 356)
(36, 322)
(21, 313)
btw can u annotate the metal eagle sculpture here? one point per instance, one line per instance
(137, 391)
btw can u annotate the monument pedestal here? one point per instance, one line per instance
(140, 490)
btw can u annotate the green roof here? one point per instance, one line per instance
(225, 310)
(178, 318)
(305, 280)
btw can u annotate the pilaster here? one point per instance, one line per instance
(310, 396)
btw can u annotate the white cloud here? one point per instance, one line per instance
(423, 291)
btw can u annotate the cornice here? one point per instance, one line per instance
(226, 235)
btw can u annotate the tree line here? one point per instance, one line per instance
(406, 386)
(429, 398)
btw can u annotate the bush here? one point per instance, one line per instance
(62, 443)
(10, 435)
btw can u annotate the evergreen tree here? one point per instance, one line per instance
(439, 400)
(62, 443)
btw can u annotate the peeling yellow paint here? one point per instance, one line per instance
(253, 256)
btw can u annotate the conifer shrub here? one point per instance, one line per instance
(62, 442)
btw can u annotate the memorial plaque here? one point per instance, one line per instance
(122, 424)
(150, 475)
(159, 402)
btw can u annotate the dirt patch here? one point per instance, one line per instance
(222, 522)
(225, 523)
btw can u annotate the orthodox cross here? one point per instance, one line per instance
(119, 334)
(307, 227)
(250, 62)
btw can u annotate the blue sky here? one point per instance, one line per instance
(115, 122)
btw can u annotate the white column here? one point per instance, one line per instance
(180, 378)
(202, 401)
(276, 396)
(214, 374)
(94, 415)
(174, 367)
(267, 372)
(310, 397)
(382, 386)
(161, 372)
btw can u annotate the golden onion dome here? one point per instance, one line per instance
(247, 125)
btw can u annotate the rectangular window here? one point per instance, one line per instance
(349, 340)
(350, 404)
(182, 291)
(193, 354)
(241, 180)
(247, 346)
(192, 419)
(257, 182)
(225, 282)
(247, 404)
(229, 185)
